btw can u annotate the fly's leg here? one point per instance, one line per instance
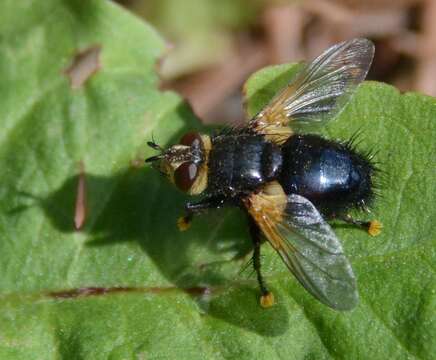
(373, 227)
(267, 298)
(194, 208)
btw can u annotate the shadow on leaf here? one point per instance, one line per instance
(139, 205)
(239, 307)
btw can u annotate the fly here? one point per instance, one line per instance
(289, 184)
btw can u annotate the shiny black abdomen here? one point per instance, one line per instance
(331, 175)
(241, 163)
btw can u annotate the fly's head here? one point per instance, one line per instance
(185, 164)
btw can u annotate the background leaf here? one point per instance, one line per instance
(128, 284)
(191, 26)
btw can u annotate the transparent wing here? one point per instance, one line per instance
(308, 247)
(321, 89)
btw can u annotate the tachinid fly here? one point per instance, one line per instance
(288, 183)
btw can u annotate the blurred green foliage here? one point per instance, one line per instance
(199, 32)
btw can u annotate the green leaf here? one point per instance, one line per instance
(128, 284)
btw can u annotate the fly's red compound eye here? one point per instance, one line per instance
(185, 175)
(191, 139)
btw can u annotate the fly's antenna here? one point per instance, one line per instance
(154, 158)
(154, 146)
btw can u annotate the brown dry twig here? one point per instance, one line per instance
(80, 208)
(426, 62)
(284, 26)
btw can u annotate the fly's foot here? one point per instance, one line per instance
(184, 222)
(267, 300)
(374, 227)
